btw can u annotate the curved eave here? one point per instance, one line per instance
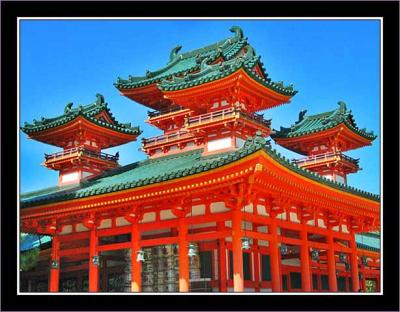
(114, 131)
(288, 140)
(240, 78)
(230, 159)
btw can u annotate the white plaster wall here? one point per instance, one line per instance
(198, 210)
(293, 217)
(345, 229)
(105, 224)
(321, 224)
(263, 243)
(149, 217)
(67, 229)
(166, 214)
(248, 208)
(219, 144)
(218, 207)
(81, 228)
(121, 221)
(294, 262)
(262, 211)
(266, 290)
(311, 222)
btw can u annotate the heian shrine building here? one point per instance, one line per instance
(213, 207)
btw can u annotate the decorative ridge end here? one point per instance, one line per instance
(237, 30)
(257, 141)
(174, 53)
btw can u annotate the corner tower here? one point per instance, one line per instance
(323, 138)
(82, 133)
(207, 98)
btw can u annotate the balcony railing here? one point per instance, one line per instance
(75, 150)
(315, 159)
(165, 111)
(162, 139)
(225, 114)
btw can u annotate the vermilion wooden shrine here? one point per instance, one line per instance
(213, 207)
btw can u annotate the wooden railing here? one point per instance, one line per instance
(224, 114)
(315, 159)
(75, 150)
(166, 138)
(165, 111)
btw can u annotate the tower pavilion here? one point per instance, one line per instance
(82, 133)
(207, 98)
(323, 138)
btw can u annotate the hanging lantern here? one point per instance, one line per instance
(342, 258)
(284, 250)
(54, 264)
(192, 250)
(245, 243)
(347, 266)
(364, 260)
(140, 256)
(315, 255)
(96, 260)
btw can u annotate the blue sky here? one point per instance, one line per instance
(71, 61)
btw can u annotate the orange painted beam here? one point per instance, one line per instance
(222, 263)
(332, 281)
(274, 258)
(305, 262)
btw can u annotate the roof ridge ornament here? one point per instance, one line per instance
(342, 107)
(99, 99)
(174, 52)
(68, 107)
(237, 30)
(301, 116)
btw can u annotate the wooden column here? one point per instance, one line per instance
(183, 256)
(331, 262)
(256, 262)
(354, 264)
(136, 279)
(55, 265)
(238, 283)
(93, 267)
(305, 261)
(222, 260)
(276, 278)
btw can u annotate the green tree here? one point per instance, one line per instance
(29, 258)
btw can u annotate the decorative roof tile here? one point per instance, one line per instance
(169, 167)
(88, 112)
(320, 122)
(192, 68)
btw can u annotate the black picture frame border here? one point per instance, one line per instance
(10, 10)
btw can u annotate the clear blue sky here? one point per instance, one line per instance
(71, 61)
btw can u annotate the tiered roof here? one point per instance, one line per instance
(204, 65)
(166, 168)
(90, 112)
(307, 126)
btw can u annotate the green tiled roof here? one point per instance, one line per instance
(368, 241)
(88, 112)
(321, 122)
(169, 77)
(152, 171)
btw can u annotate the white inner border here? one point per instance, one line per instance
(208, 18)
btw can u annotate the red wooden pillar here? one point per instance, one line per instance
(136, 279)
(93, 262)
(55, 265)
(222, 260)
(305, 261)
(238, 283)
(354, 264)
(276, 278)
(183, 256)
(256, 262)
(331, 263)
